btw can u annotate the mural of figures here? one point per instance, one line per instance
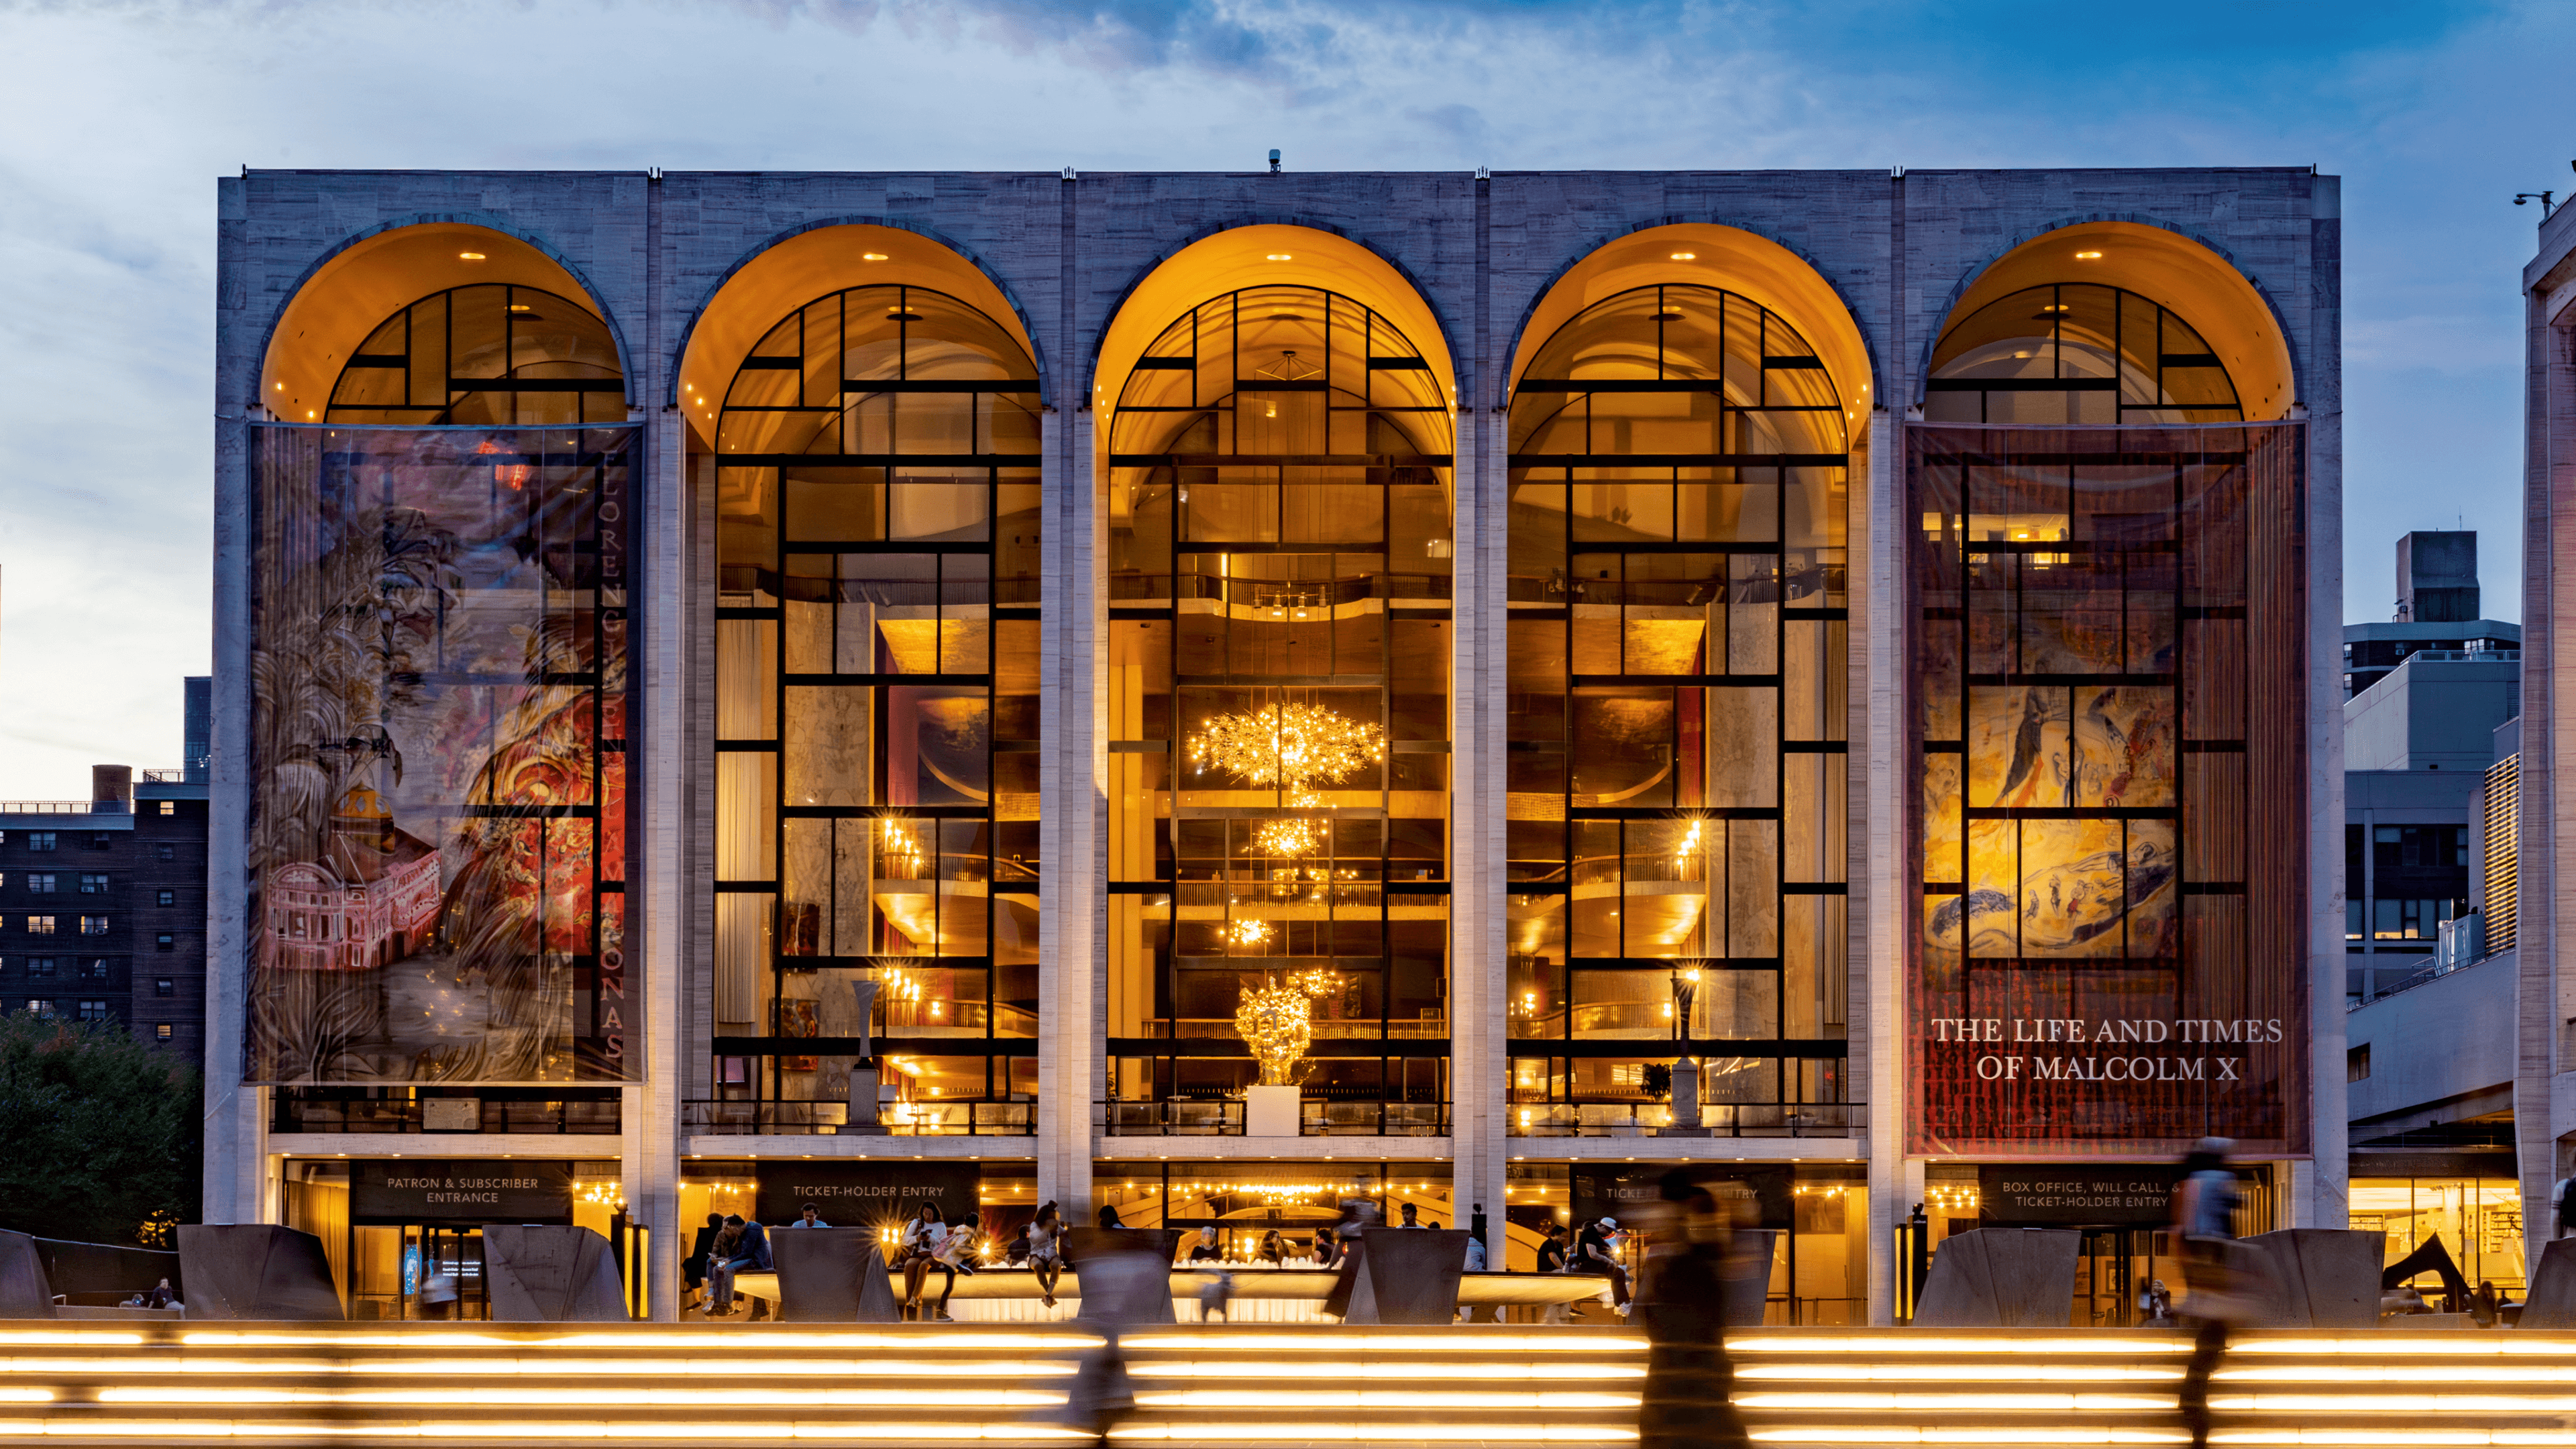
(438, 735)
(2107, 679)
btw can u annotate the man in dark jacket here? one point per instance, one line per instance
(751, 1254)
(693, 1270)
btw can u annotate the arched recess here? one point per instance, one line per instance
(785, 275)
(1708, 254)
(1276, 425)
(351, 294)
(1264, 255)
(1686, 403)
(2196, 283)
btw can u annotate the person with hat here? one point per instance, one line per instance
(1593, 1254)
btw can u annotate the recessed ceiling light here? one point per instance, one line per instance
(1282, 257)
(281, 387)
(1685, 256)
(872, 256)
(2088, 256)
(469, 256)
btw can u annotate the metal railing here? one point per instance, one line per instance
(291, 1113)
(746, 1117)
(1223, 1117)
(63, 807)
(1654, 1119)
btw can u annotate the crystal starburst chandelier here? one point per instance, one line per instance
(1287, 746)
(1277, 1022)
(1286, 839)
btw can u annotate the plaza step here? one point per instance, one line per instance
(1271, 1385)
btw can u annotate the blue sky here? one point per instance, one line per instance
(117, 117)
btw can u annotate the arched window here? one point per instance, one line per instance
(497, 354)
(1678, 657)
(1280, 523)
(877, 703)
(2077, 352)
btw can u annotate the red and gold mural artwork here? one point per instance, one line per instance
(437, 843)
(2107, 731)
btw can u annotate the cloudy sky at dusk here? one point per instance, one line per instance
(117, 118)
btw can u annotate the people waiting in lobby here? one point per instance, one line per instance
(1205, 1249)
(1274, 1248)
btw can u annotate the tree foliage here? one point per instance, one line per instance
(98, 1131)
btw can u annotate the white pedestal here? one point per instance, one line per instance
(1270, 1111)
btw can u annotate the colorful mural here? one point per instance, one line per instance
(2108, 723)
(437, 755)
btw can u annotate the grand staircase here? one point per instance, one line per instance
(466, 1384)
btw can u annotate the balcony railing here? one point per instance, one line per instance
(292, 1110)
(1223, 1117)
(64, 807)
(1654, 1119)
(727, 1117)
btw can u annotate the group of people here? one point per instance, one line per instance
(928, 1243)
(1595, 1248)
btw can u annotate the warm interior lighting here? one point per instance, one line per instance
(2088, 256)
(1685, 256)
(1287, 839)
(469, 256)
(872, 256)
(1287, 746)
(1282, 257)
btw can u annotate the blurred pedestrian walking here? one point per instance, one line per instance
(2204, 1214)
(1688, 1399)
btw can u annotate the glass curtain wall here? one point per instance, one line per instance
(1678, 665)
(2077, 352)
(1280, 538)
(876, 480)
(483, 354)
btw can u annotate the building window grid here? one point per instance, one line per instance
(1199, 441)
(892, 836)
(1808, 1069)
(2058, 304)
(2503, 805)
(419, 344)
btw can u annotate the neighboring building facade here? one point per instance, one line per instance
(2545, 1039)
(968, 686)
(103, 901)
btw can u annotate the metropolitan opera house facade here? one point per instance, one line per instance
(1220, 695)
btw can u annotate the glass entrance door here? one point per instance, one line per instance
(454, 1255)
(2113, 1268)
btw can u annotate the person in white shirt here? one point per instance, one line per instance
(923, 1237)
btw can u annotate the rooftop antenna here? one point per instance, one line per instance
(1274, 161)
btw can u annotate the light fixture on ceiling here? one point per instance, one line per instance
(469, 256)
(2088, 256)
(872, 256)
(1685, 256)
(1282, 257)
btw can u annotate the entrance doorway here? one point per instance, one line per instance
(2114, 1267)
(395, 1265)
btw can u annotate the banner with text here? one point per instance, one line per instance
(2107, 716)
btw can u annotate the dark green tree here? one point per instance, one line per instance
(98, 1131)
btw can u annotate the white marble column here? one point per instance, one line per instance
(1878, 886)
(1072, 948)
(1479, 1075)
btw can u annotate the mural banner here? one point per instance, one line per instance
(2107, 730)
(439, 621)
